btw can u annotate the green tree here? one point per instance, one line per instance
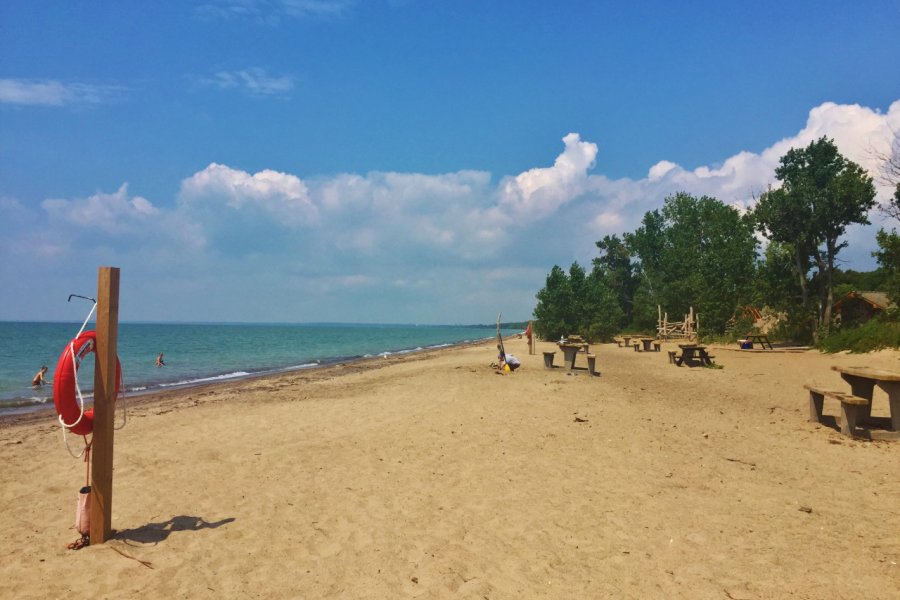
(576, 303)
(888, 257)
(695, 252)
(821, 194)
(615, 268)
(554, 315)
(601, 315)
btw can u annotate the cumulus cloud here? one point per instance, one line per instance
(50, 92)
(541, 191)
(282, 196)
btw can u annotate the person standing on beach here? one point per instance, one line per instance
(38, 380)
(159, 360)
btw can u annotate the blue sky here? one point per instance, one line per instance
(399, 161)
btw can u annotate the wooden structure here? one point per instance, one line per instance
(677, 330)
(104, 403)
(860, 307)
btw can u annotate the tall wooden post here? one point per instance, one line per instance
(104, 403)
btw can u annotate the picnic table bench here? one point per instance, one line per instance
(863, 381)
(761, 339)
(693, 354)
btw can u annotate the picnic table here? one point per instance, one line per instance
(692, 354)
(646, 341)
(862, 382)
(761, 339)
(570, 351)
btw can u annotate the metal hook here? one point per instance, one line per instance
(79, 296)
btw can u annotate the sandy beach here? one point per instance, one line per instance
(431, 476)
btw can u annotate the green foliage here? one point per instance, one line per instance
(576, 303)
(614, 266)
(696, 252)
(873, 335)
(888, 257)
(555, 311)
(821, 194)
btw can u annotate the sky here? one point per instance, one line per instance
(400, 161)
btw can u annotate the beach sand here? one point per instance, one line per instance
(432, 476)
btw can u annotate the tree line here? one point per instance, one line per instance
(700, 253)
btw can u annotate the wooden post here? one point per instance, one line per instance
(104, 403)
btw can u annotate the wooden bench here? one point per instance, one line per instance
(619, 341)
(672, 354)
(548, 359)
(656, 346)
(637, 348)
(849, 406)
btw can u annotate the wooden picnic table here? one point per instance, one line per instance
(761, 339)
(646, 341)
(862, 382)
(693, 353)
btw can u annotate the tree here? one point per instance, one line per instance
(888, 257)
(696, 252)
(576, 303)
(615, 268)
(554, 315)
(890, 175)
(821, 194)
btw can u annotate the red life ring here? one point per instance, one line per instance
(64, 394)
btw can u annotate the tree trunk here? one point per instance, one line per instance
(801, 276)
(823, 314)
(830, 246)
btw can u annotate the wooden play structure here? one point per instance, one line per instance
(677, 330)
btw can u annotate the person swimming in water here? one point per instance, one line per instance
(159, 360)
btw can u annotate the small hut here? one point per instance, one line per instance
(859, 307)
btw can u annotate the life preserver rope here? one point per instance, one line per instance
(72, 414)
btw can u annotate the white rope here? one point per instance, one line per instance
(66, 442)
(90, 314)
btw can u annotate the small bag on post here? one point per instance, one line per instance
(83, 511)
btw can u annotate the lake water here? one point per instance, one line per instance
(200, 353)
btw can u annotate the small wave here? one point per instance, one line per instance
(21, 402)
(207, 379)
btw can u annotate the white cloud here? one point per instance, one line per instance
(114, 214)
(283, 197)
(402, 240)
(253, 82)
(49, 92)
(272, 12)
(539, 192)
(659, 170)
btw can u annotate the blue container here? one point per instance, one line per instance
(746, 345)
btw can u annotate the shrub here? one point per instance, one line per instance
(873, 335)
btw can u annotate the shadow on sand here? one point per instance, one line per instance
(154, 533)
